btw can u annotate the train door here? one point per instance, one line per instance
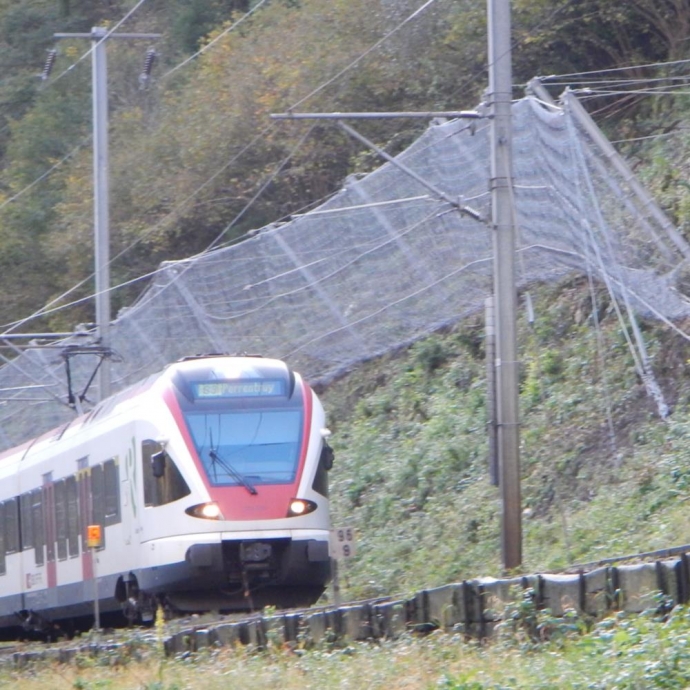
(85, 513)
(48, 500)
(128, 480)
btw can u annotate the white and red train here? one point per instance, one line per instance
(209, 483)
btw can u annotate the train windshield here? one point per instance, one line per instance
(247, 448)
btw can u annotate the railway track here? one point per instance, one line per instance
(629, 582)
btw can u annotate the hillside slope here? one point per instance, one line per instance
(602, 474)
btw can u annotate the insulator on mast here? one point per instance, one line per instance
(50, 61)
(148, 66)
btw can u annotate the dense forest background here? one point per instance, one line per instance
(196, 161)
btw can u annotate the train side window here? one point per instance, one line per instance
(111, 476)
(85, 511)
(12, 525)
(72, 497)
(26, 520)
(149, 448)
(38, 527)
(98, 499)
(320, 484)
(170, 486)
(60, 494)
(3, 562)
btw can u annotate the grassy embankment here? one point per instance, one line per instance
(602, 474)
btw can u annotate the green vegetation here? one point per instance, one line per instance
(532, 651)
(181, 178)
(602, 474)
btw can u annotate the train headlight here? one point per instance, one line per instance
(208, 511)
(299, 506)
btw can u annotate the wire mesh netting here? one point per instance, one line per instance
(381, 264)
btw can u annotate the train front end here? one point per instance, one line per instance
(258, 518)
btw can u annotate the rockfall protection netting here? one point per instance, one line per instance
(381, 264)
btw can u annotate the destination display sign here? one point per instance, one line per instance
(238, 389)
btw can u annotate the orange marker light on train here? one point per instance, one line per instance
(93, 536)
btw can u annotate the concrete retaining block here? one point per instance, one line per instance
(669, 574)
(201, 639)
(228, 634)
(598, 597)
(561, 593)
(24, 659)
(324, 625)
(356, 622)
(638, 586)
(388, 619)
(497, 594)
(445, 606)
(256, 633)
(179, 643)
(275, 629)
(292, 627)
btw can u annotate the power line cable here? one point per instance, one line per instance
(222, 34)
(616, 69)
(515, 43)
(619, 82)
(216, 241)
(138, 240)
(107, 35)
(356, 61)
(43, 176)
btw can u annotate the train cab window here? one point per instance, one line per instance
(111, 488)
(72, 496)
(60, 490)
(25, 513)
(11, 525)
(165, 484)
(262, 446)
(38, 526)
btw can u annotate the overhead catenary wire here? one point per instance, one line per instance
(217, 38)
(218, 308)
(215, 243)
(600, 93)
(44, 175)
(51, 308)
(610, 70)
(361, 57)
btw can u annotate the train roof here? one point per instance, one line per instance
(207, 367)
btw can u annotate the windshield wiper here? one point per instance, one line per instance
(233, 472)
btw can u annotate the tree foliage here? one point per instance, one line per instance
(195, 158)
